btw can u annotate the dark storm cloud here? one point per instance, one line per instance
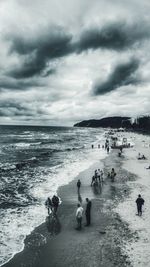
(14, 108)
(123, 74)
(10, 83)
(37, 52)
(49, 72)
(116, 36)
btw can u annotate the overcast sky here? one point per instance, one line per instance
(64, 61)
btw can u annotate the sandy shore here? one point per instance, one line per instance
(102, 244)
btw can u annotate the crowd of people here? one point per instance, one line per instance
(97, 179)
(106, 146)
(112, 175)
(98, 176)
(141, 156)
(52, 204)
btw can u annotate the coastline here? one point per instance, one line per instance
(62, 245)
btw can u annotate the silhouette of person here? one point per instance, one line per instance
(107, 149)
(55, 202)
(140, 202)
(99, 175)
(112, 175)
(49, 205)
(102, 176)
(93, 180)
(88, 212)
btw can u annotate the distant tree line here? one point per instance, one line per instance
(140, 124)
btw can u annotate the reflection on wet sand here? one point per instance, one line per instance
(113, 191)
(53, 224)
(97, 189)
(79, 198)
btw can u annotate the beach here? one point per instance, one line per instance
(112, 239)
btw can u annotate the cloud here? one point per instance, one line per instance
(50, 59)
(9, 83)
(36, 52)
(123, 74)
(12, 108)
(117, 35)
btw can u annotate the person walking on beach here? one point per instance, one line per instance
(49, 205)
(99, 175)
(96, 176)
(79, 215)
(55, 203)
(140, 202)
(78, 185)
(88, 212)
(102, 176)
(93, 180)
(112, 175)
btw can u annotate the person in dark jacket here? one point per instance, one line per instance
(88, 212)
(140, 202)
(112, 175)
(55, 202)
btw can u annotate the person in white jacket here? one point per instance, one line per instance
(79, 215)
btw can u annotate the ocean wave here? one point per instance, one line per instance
(35, 144)
(39, 167)
(51, 141)
(18, 166)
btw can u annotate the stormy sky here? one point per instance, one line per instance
(64, 61)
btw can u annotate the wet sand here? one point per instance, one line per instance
(56, 243)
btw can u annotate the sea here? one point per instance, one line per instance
(34, 162)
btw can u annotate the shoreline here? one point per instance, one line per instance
(40, 226)
(104, 200)
(23, 243)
